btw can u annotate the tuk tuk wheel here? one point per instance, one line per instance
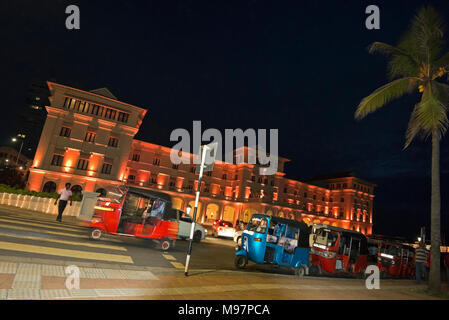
(315, 270)
(166, 244)
(95, 234)
(240, 261)
(300, 272)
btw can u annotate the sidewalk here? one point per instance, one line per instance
(42, 279)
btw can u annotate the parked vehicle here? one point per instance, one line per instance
(239, 231)
(338, 251)
(135, 212)
(396, 260)
(277, 241)
(223, 229)
(185, 225)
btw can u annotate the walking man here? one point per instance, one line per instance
(421, 262)
(64, 196)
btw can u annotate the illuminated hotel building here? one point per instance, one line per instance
(88, 140)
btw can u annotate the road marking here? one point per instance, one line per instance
(42, 225)
(50, 232)
(43, 222)
(75, 243)
(65, 252)
(168, 257)
(177, 265)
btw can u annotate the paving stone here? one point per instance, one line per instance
(55, 294)
(26, 285)
(169, 291)
(83, 293)
(108, 292)
(114, 274)
(8, 267)
(139, 275)
(23, 294)
(3, 294)
(53, 271)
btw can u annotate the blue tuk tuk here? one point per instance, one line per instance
(277, 241)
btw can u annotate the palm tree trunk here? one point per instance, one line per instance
(435, 234)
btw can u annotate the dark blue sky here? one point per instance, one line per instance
(299, 66)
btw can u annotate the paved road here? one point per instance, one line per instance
(40, 236)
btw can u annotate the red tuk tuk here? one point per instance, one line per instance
(135, 212)
(338, 251)
(395, 260)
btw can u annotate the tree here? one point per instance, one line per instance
(418, 63)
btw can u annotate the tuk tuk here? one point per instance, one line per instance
(338, 251)
(396, 260)
(135, 212)
(274, 240)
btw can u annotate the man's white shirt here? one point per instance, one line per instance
(65, 194)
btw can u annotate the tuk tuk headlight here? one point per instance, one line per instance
(237, 248)
(96, 220)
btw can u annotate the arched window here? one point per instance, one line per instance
(76, 189)
(102, 192)
(49, 187)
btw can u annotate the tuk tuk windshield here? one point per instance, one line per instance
(326, 237)
(391, 249)
(258, 224)
(114, 195)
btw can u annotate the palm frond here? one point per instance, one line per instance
(385, 94)
(428, 117)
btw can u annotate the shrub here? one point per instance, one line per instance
(8, 189)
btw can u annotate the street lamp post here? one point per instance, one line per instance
(21, 136)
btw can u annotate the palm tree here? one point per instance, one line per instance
(418, 63)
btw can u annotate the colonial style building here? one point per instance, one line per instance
(88, 140)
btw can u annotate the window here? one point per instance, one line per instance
(259, 180)
(106, 168)
(236, 177)
(97, 110)
(192, 169)
(175, 166)
(123, 117)
(285, 190)
(156, 161)
(136, 157)
(253, 178)
(82, 164)
(57, 160)
(69, 103)
(65, 132)
(110, 113)
(305, 194)
(113, 142)
(83, 106)
(272, 182)
(131, 177)
(209, 173)
(223, 176)
(90, 137)
(265, 181)
(342, 199)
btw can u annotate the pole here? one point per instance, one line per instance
(192, 229)
(20, 150)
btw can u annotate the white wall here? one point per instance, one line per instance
(38, 204)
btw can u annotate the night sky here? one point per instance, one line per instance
(299, 66)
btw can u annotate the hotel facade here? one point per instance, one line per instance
(88, 140)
